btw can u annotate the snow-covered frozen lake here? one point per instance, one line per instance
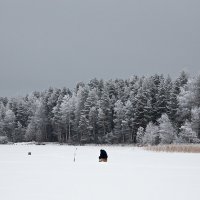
(50, 174)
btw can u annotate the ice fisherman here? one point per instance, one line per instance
(103, 156)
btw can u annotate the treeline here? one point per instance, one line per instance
(141, 110)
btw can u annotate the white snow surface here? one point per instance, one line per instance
(130, 173)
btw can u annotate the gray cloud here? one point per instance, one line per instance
(58, 43)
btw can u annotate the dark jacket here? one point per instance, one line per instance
(103, 154)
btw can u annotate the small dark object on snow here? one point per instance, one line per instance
(103, 156)
(29, 153)
(40, 143)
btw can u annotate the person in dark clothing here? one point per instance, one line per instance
(103, 156)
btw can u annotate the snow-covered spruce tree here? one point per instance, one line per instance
(57, 123)
(183, 78)
(68, 122)
(2, 115)
(90, 111)
(119, 115)
(94, 84)
(19, 133)
(197, 91)
(128, 118)
(161, 99)
(140, 135)
(188, 99)
(149, 109)
(9, 124)
(167, 133)
(47, 103)
(174, 110)
(22, 113)
(152, 91)
(36, 129)
(132, 83)
(195, 120)
(50, 98)
(88, 135)
(93, 117)
(104, 115)
(190, 94)
(2, 110)
(4, 100)
(31, 130)
(91, 101)
(2, 133)
(187, 135)
(58, 128)
(185, 102)
(53, 99)
(173, 104)
(151, 136)
(120, 87)
(141, 112)
(110, 89)
(83, 128)
(82, 94)
(102, 124)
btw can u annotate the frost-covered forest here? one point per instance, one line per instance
(141, 110)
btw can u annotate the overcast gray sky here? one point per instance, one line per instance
(60, 42)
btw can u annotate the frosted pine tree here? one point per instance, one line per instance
(102, 124)
(67, 109)
(140, 135)
(153, 89)
(128, 112)
(82, 94)
(19, 133)
(119, 115)
(31, 130)
(83, 128)
(167, 133)
(197, 91)
(57, 122)
(22, 113)
(161, 99)
(2, 115)
(91, 101)
(9, 124)
(151, 136)
(140, 118)
(104, 113)
(87, 136)
(120, 87)
(93, 118)
(195, 120)
(175, 114)
(37, 127)
(187, 135)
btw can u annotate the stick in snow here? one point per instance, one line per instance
(75, 154)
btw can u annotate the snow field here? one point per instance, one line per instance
(50, 174)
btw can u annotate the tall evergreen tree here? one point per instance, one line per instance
(140, 118)
(195, 120)
(140, 135)
(151, 136)
(119, 121)
(9, 124)
(187, 135)
(167, 133)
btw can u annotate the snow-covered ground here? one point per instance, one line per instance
(50, 174)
